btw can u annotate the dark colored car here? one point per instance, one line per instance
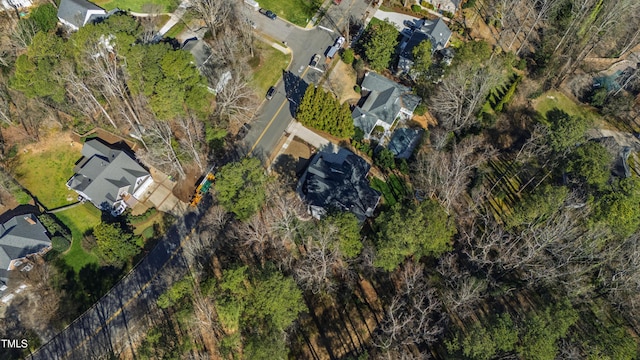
(270, 92)
(410, 24)
(244, 130)
(268, 13)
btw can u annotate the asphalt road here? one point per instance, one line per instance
(108, 325)
(273, 117)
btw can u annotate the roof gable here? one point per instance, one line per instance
(79, 12)
(21, 235)
(199, 49)
(339, 181)
(384, 102)
(105, 173)
(404, 141)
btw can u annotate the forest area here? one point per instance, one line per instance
(515, 237)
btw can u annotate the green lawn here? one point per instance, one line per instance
(298, 12)
(45, 174)
(175, 30)
(137, 5)
(267, 66)
(555, 99)
(79, 220)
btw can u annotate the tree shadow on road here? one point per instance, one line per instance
(294, 88)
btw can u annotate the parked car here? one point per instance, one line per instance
(243, 131)
(268, 13)
(410, 24)
(270, 92)
(339, 42)
(315, 60)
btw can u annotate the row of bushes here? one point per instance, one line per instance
(502, 95)
(393, 190)
(138, 219)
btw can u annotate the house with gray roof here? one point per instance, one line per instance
(435, 31)
(108, 177)
(383, 104)
(199, 49)
(77, 13)
(21, 236)
(404, 141)
(338, 181)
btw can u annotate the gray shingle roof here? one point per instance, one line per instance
(75, 12)
(384, 101)
(435, 31)
(199, 49)
(339, 181)
(363, 120)
(103, 172)
(404, 141)
(19, 237)
(438, 31)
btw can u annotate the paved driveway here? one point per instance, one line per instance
(160, 196)
(395, 18)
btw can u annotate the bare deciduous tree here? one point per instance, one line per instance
(216, 14)
(23, 33)
(414, 315)
(594, 26)
(235, 100)
(320, 261)
(150, 23)
(5, 104)
(542, 9)
(161, 151)
(461, 94)
(446, 174)
(552, 249)
(82, 96)
(193, 138)
(462, 290)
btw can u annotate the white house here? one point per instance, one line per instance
(109, 178)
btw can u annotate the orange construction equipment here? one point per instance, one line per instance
(203, 188)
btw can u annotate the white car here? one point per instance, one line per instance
(339, 42)
(314, 62)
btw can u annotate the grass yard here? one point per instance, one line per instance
(298, 12)
(79, 220)
(555, 99)
(267, 65)
(181, 25)
(176, 30)
(45, 173)
(137, 5)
